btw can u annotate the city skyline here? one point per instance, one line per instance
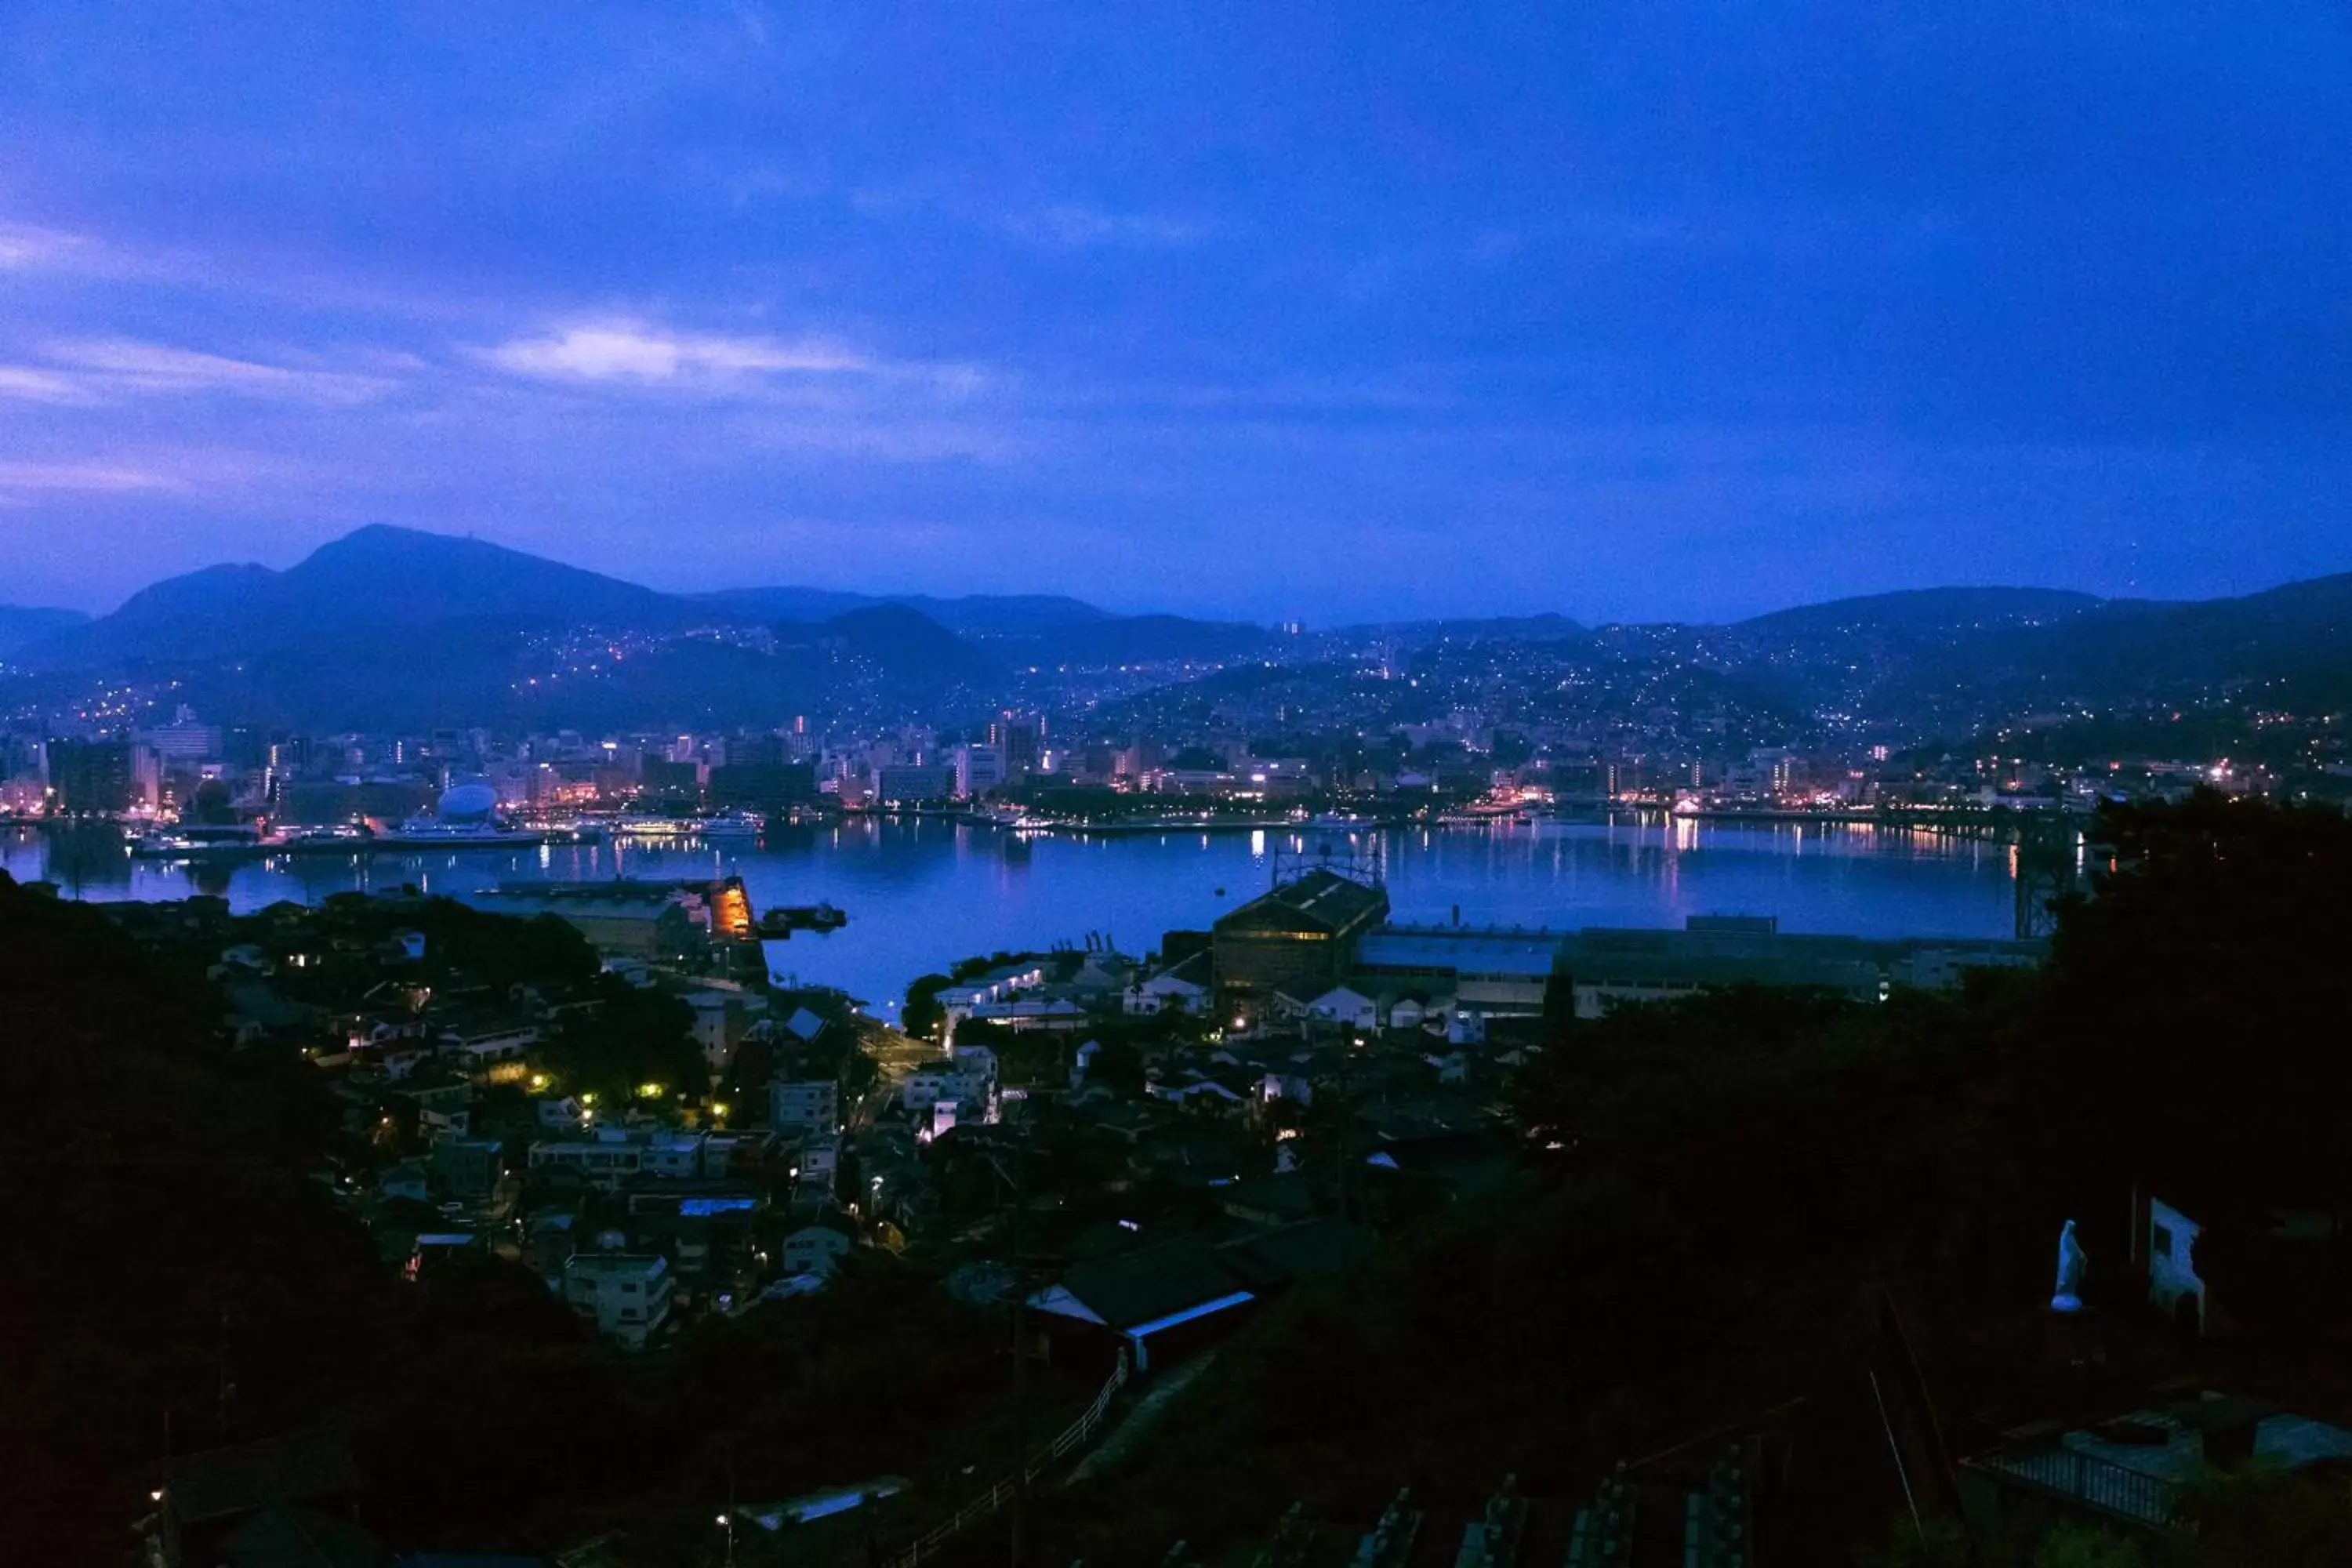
(1581, 314)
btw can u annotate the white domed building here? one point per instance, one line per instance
(474, 800)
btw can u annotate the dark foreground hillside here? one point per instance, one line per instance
(1824, 1230)
(1753, 1213)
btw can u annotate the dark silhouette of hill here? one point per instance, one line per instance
(479, 671)
(753, 606)
(2295, 632)
(971, 614)
(897, 640)
(1543, 628)
(1974, 656)
(1927, 609)
(381, 577)
(23, 624)
(1145, 639)
(391, 621)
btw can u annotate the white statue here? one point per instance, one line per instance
(2072, 1260)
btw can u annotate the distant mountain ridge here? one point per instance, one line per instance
(381, 576)
(386, 623)
(1916, 609)
(389, 579)
(23, 624)
(971, 613)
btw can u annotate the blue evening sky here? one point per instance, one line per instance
(1632, 310)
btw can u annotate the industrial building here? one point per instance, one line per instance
(1301, 939)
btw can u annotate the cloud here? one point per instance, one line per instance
(1080, 225)
(106, 477)
(93, 370)
(608, 350)
(32, 385)
(24, 247)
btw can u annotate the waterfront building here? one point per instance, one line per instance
(1606, 967)
(100, 776)
(906, 783)
(1486, 970)
(1020, 740)
(639, 918)
(1300, 939)
(977, 769)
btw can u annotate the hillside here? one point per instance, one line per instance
(1920, 610)
(380, 577)
(23, 624)
(971, 614)
(389, 623)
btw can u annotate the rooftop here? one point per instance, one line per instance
(1321, 898)
(1463, 949)
(615, 1264)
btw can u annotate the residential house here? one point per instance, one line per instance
(467, 1168)
(805, 1105)
(1030, 1013)
(478, 1042)
(1156, 1304)
(1181, 987)
(409, 1179)
(606, 1161)
(1347, 1006)
(815, 1249)
(928, 1085)
(626, 1295)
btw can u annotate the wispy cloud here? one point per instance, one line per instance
(21, 245)
(630, 351)
(104, 478)
(1076, 225)
(104, 369)
(30, 384)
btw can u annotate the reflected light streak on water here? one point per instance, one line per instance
(922, 894)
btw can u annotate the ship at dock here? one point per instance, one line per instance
(784, 919)
(465, 817)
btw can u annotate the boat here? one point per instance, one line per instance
(432, 833)
(787, 918)
(1341, 821)
(731, 825)
(651, 827)
(335, 836)
(196, 840)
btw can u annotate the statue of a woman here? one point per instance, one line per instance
(2072, 1259)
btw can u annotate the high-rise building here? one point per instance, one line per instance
(94, 776)
(977, 769)
(764, 785)
(765, 751)
(912, 783)
(1020, 738)
(185, 739)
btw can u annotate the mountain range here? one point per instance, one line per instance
(22, 625)
(393, 625)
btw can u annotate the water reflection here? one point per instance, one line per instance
(923, 893)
